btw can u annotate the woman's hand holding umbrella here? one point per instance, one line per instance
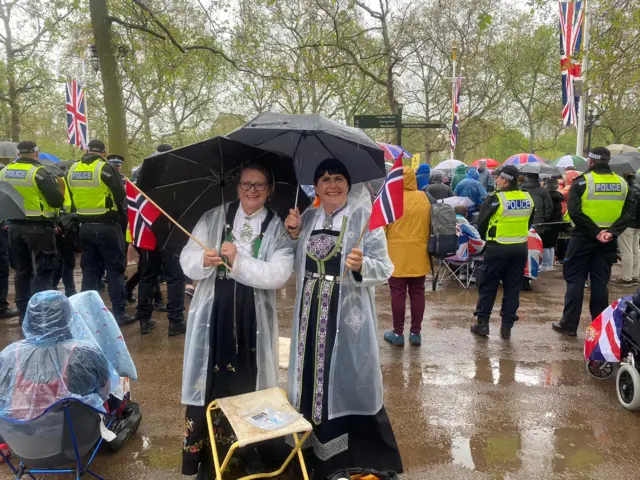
(229, 251)
(293, 223)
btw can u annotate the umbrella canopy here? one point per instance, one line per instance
(522, 158)
(310, 139)
(566, 161)
(8, 150)
(542, 169)
(618, 148)
(392, 152)
(620, 164)
(491, 163)
(448, 165)
(11, 203)
(186, 182)
(632, 157)
(65, 165)
(48, 156)
(458, 201)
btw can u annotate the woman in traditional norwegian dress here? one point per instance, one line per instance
(335, 379)
(231, 345)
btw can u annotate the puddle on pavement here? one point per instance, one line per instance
(500, 371)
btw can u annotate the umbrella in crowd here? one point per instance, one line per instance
(391, 152)
(542, 169)
(48, 156)
(186, 182)
(491, 163)
(8, 150)
(310, 139)
(522, 158)
(11, 202)
(65, 165)
(618, 149)
(567, 161)
(625, 164)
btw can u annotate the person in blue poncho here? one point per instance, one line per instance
(51, 363)
(471, 188)
(422, 175)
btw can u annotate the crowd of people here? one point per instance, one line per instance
(334, 376)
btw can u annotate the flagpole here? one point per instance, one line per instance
(86, 102)
(364, 230)
(454, 58)
(186, 232)
(582, 105)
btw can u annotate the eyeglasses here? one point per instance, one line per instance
(246, 186)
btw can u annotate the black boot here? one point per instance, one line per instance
(177, 328)
(146, 326)
(481, 328)
(505, 331)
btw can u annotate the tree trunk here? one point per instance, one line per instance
(113, 100)
(12, 90)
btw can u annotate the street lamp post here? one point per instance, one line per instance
(95, 61)
(592, 120)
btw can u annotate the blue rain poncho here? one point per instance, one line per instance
(57, 359)
(422, 175)
(471, 188)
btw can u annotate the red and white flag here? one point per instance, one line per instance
(142, 213)
(389, 204)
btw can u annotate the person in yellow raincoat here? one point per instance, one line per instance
(407, 243)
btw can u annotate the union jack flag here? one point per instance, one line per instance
(571, 23)
(389, 203)
(456, 114)
(602, 338)
(141, 213)
(76, 114)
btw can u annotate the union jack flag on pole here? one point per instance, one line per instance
(456, 113)
(77, 129)
(571, 29)
(389, 203)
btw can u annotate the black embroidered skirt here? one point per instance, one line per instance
(232, 370)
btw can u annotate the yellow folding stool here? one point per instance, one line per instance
(248, 434)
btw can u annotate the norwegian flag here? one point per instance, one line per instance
(571, 23)
(602, 338)
(389, 203)
(456, 114)
(142, 213)
(76, 114)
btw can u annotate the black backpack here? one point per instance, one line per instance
(443, 241)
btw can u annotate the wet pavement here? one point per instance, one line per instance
(461, 406)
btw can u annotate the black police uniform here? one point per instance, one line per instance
(102, 243)
(32, 242)
(502, 262)
(588, 258)
(5, 311)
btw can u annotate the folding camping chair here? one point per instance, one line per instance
(64, 434)
(234, 408)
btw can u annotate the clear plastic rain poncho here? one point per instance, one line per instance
(57, 359)
(266, 273)
(355, 379)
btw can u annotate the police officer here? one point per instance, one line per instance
(600, 207)
(5, 310)
(504, 220)
(98, 195)
(32, 239)
(66, 235)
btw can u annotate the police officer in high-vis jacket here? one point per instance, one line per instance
(600, 206)
(32, 239)
(504, 220)
(98, 195)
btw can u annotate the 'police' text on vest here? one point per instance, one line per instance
(16, 174)
(82, 176)
(518, 204)
(608, 187)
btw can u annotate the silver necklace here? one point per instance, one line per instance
(328, 219)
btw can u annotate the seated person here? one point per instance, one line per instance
(471, 188)
(51, 364)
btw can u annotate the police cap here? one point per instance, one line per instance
(96, 146)
(600, 155)
(115, 159)
(164, 147)
(27, 146)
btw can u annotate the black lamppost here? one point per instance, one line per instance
(592, 120)
(93, 58)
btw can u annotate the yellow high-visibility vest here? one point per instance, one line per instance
(91, 196)
(511, 220)
(22, 177)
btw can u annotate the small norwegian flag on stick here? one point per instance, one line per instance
(389, 203)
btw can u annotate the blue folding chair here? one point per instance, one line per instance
(61, 436)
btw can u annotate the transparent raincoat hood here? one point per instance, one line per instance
(57, 359)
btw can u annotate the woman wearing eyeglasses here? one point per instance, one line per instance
(231, 345)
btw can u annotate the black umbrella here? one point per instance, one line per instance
(621, 164)
(540, 169)
(310, 139)
(186, 182)
(65, 165)
(8, 150)
(11, 203)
